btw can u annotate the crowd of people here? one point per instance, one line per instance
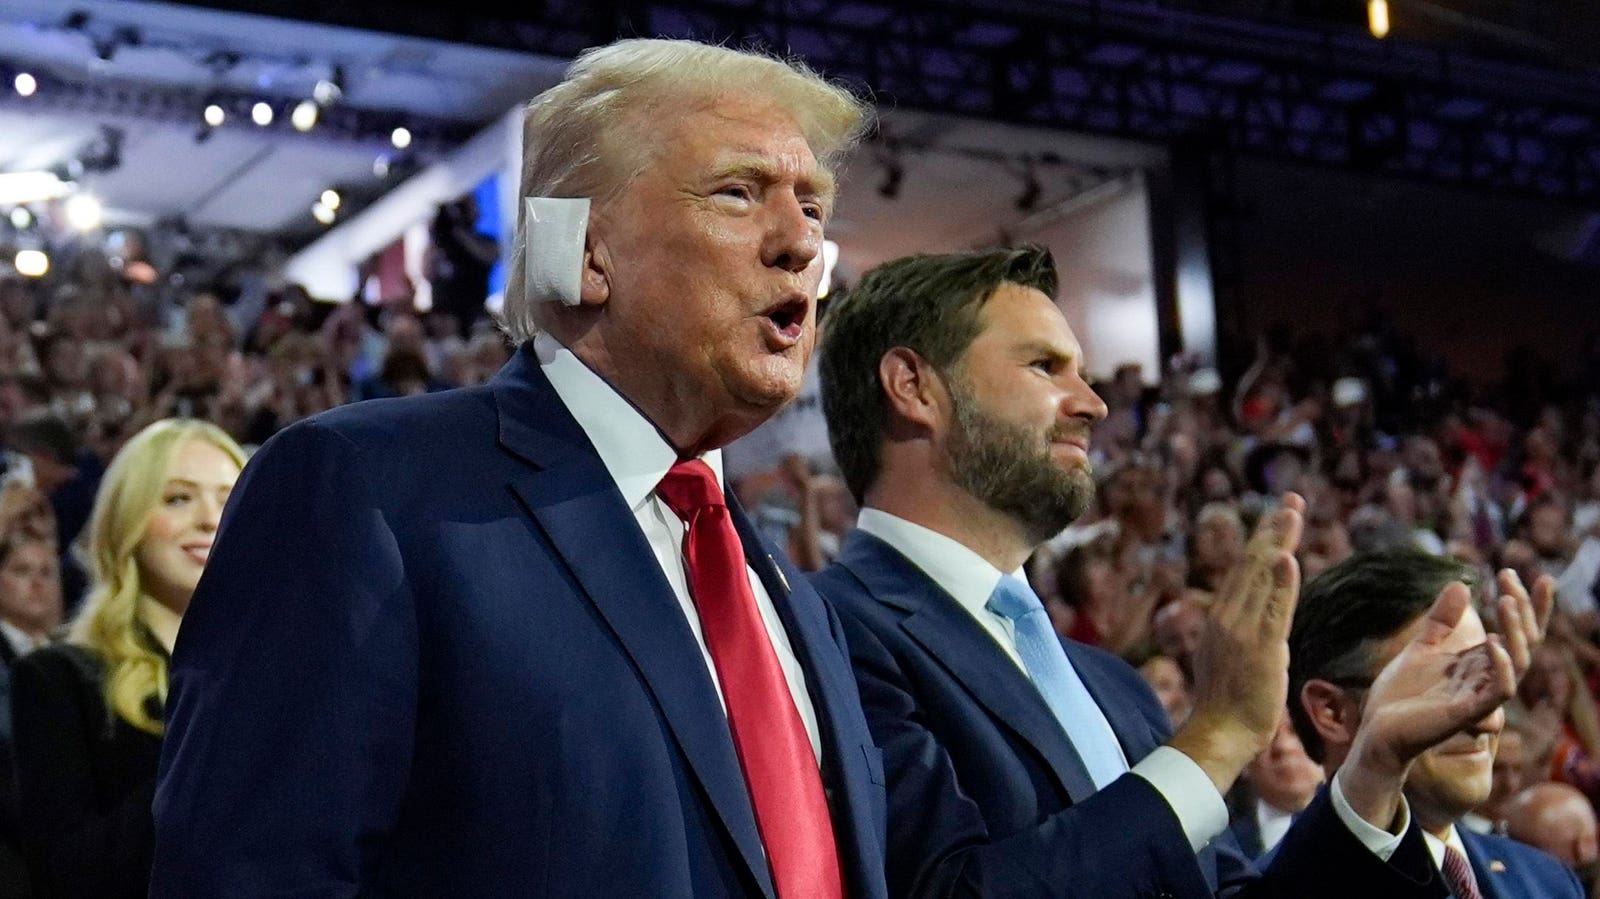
(360, 650)
(1390, 454)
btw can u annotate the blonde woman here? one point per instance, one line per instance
(87, 713)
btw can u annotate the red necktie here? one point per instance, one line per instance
(779, 766)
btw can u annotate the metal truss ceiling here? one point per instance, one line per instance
(1332, 98)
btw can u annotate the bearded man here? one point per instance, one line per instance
(1018, 764)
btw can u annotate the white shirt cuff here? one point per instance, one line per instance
(1381, 842)
(1189, 792)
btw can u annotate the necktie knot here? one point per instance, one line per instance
(1012, 599)
(689, 487)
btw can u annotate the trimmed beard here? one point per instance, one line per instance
(1010, 468)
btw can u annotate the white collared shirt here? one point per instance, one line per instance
(1272, 823)
(637, 457)
(1188, 790)
(21, 641)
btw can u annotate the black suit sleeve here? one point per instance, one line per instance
(78, 844)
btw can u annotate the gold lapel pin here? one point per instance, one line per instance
(1497, 866)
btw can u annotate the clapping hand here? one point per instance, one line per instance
(1440, 683)
(1241, 667)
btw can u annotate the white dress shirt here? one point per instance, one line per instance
(1188, 790)
(21, 641)
(637, 457)
(1272, 823)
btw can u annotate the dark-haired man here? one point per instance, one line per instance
(1019, 765)
(1352, 620)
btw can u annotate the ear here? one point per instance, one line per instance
(595, 282)
(912, 387)
(1332, 713)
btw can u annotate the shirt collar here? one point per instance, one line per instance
(20, 640)
(1266, 811)
(634, 453)
(951, 564)
(1436, 845)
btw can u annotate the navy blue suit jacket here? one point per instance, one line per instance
(987, 796)
(1507, 869)
(433, 655)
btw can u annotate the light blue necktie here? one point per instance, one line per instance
(1057, 681)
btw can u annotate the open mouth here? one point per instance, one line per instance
(788, 319)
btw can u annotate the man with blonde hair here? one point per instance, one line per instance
(515, 640)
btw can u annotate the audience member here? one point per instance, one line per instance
(1353, 622)
(1276, 786)
(959, 415)
(88, 712)
(1560, 820)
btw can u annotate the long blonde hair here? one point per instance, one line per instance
(108, 622)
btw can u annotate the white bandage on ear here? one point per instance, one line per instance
(553, 258)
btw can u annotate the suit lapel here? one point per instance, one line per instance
(828, 682)
(962, 646)
(573, 499)
(1486, 869)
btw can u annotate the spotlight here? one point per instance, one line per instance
(330, 90)
(25, 84)
(380, 167)
(1378, 18)
(401, 138)
(331, 199)
(261, 113)
(215, 115)
(304, 117)
(33, 187)
(322, 213)
(31, 263)
(84, 212)
(21, 218)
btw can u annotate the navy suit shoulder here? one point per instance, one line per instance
(987, 796)
(432, 654)
(1507, 869)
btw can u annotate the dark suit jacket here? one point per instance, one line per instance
(14, 878)
(85, 779)
(433, 655)
(987, 796)
(1507, 869)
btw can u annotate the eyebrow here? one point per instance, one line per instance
(817, 181)
(185, 482)
(1035, 348)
